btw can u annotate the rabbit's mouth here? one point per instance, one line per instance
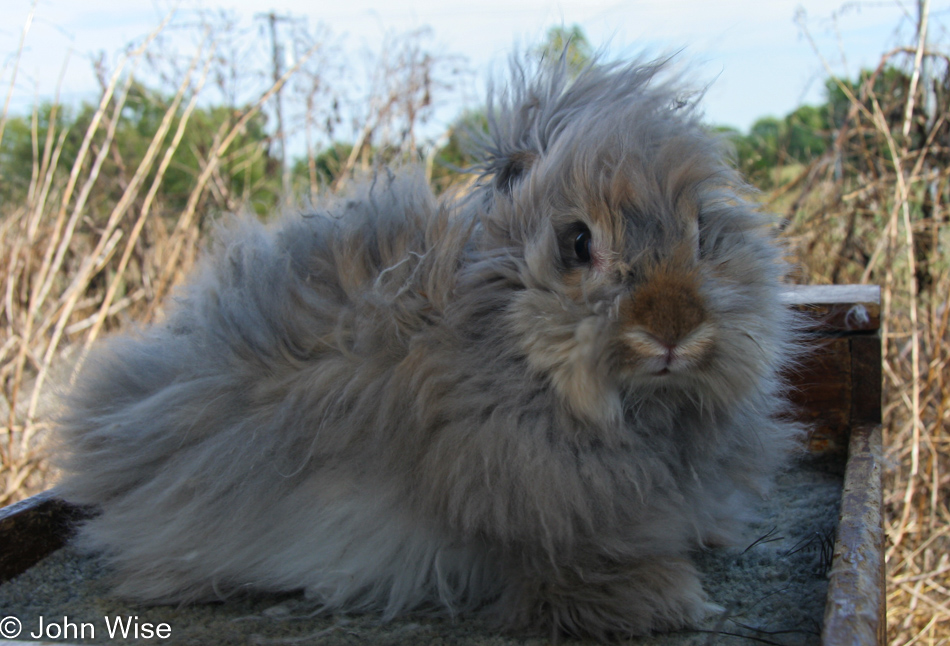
(656, 355)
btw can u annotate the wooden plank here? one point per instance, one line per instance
(854, 611)
(821, 394)
(33, 529)
(838, 308)
(867, 379)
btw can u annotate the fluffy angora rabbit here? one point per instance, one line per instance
(529, 403)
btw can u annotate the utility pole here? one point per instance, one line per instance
(926, 69)
(272, 19)
(923, 12)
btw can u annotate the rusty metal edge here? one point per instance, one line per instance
(855, 606)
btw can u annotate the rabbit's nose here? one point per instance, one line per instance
(668, 305)
(664, 322)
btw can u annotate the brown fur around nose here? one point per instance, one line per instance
(668, 306)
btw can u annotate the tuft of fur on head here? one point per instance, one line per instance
(531, 403)
(544, 97)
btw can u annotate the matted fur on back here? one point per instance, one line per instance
(531, 402)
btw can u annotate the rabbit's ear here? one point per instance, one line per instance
(513, 170)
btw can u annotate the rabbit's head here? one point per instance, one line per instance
(644, 267)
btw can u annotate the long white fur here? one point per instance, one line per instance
(396, 403)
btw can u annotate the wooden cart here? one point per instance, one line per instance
(838, 390)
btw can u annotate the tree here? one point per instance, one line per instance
(247, 175)
(570, 42)
(807, 133)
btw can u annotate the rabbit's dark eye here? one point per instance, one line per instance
(575, 246)
(700, 235)
(582, 245)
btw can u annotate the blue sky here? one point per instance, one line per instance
(751, 52)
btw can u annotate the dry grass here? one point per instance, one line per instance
(63, 272)
(88, 249)
(874, 209)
